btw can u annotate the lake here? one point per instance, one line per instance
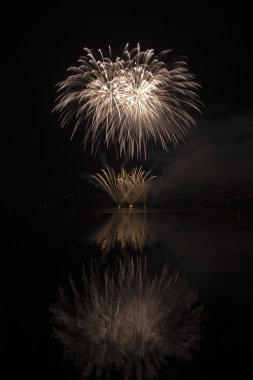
(211, 249)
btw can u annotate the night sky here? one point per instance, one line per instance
(41, 42)
(43, 168)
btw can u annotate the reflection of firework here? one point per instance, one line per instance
(128, 321)
(125, 187)
(130, 100)
(128, 229)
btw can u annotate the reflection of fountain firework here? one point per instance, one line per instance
(128, 229)
(128, 320)
(130, 101)
(126, 187)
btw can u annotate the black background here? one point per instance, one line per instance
(42, 40)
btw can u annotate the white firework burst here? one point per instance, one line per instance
(129, 102)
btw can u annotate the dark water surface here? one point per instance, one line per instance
(212, 247)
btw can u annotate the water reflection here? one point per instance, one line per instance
(207, 244)
(130, 319)
(126, 229)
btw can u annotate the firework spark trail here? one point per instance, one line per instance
(126, 187)
(129, 320)
(130, 101)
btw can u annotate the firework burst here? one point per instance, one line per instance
(128, 320)
(128, 102)
(126, 187)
